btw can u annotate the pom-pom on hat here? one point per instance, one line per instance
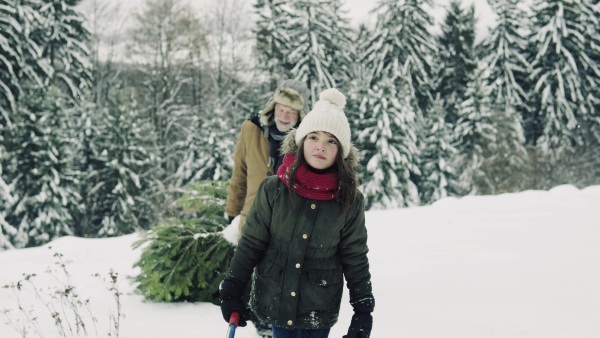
(327, 115)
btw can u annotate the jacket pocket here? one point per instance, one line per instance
(321, 290)
(266, 292)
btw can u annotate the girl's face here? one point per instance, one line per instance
(320, 149)
(285, 117)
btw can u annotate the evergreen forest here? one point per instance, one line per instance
(101, 130)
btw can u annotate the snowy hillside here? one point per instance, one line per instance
(516, 265)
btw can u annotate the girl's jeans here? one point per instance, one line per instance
(279, 332)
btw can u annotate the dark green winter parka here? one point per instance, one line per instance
(300, 250)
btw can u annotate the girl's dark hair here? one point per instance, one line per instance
(347, 180)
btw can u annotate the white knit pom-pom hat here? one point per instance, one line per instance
(327, 115)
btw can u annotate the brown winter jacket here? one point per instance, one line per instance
(251, 168)
(302, 250)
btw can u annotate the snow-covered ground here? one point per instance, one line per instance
(514, 265)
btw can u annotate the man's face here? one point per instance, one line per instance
(285, 117)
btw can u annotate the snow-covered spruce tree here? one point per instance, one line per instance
(401, 39)
(396, 59)
(593, 46)
(45, 188)
(91, 121)
(89, 126)
(388, 144)
(118, 176)
(359, 83)
(593, 121)
(320, 40)
(436, 156)
(19, 53)
(6, 199)
(215, 146)
(64, 39)
(42, 45)
(505, 56)
(508, 166)
(343, 58)
(192, 167)
(20, 63)
(590, 168)
(210, 137)
(7, 231)
(272, 39)
(505, 59)
(562, 73)
(209, 145)
(475, 137)
(456, 58)
(210, 140)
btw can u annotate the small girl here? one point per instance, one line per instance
(304, 233)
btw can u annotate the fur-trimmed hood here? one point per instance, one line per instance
(291, 93)
(289, 146)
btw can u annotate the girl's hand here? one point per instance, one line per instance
(361, 325)
(231, 300)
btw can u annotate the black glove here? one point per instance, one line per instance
(362, 321)
(231, 300)
(361, 325)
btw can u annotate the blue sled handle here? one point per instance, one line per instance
(231, 331)
(233, 323)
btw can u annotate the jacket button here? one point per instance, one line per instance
(313, 206)
(305, 236)
(293, 294)
(290, 322)
(297, 265)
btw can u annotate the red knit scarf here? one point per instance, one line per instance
(309, 184)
